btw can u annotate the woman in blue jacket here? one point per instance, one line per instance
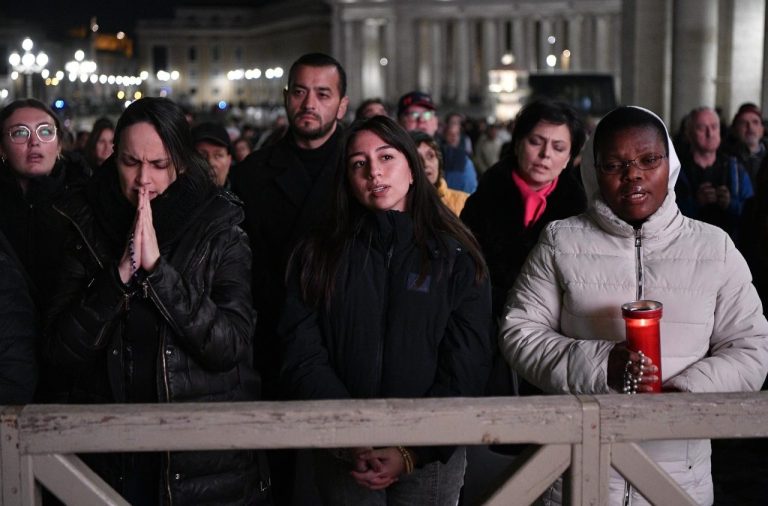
(392, 299)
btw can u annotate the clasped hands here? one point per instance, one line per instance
(142, 250)
(378, 468)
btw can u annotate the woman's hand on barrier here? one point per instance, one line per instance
(377, 469)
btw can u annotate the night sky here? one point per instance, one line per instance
(57, 16)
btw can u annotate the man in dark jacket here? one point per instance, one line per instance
(286, 188)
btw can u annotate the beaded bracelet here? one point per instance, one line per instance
(407, 459)
(631, 380)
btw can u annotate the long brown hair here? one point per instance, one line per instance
(319, 257)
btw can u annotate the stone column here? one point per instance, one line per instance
(461, 51)
(646, 55)
(694, 56)
(602, 44)
(574, 42)
(764, 97)
(490, 52)
(437, 43)
(390, 53)
(406, 57)
(545, 30)
(740, 58)
(519, 43)
(372, 84)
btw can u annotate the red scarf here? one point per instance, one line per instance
(534, 201)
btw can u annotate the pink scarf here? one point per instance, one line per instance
(534, 201)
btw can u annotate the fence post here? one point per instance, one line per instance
(10, 457)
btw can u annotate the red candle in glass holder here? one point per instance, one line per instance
(642, 318)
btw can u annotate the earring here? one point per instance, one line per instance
(2, 159)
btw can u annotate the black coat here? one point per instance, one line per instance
(32, 228)
(494, 214)
(199, 300)
(18, 331)
(385, 334)
(283, 203)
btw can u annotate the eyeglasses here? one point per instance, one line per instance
(20, 134)
(424, 115)
(643, 162)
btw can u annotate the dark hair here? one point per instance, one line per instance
(623, 118)
(321, 255)
(364, 105)
(319, 60)
(558, 113)
(171, 125)
(32, 103)
(420, 137)
(99, 126)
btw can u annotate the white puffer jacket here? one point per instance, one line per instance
(563, 315)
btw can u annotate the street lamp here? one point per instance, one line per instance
(28, 63)
(80, 68)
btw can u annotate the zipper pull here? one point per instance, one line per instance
(637, 238)
(389, 254)
(145, 288)
(127, 301)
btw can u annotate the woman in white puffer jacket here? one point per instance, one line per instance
(563, 329)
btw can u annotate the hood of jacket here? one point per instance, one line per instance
(599, 209)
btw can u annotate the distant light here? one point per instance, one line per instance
(120, 35)
(59, 75)
(278, 72)
(551, 39)
(507, 59)
(27, 44)
(566, 53)
(45, 73)
(59, 104)
(95, 27)
(174, 75)
(14, 59)
(55, 81)
(164, 92)
(48, 81)
(144, 75)
(137, 95)
(270, 73)
(3, 93)
(14, 75)
(120, 95)
(72, 78)
(79, 55)
(111, 79)
(103, 79)
(162, 75)
(383, 62)
(223, 105)
(551, 60)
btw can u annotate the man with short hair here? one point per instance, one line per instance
(417, 111)
(712, 186)
(748, 129)
(286, 189)
(212, 143)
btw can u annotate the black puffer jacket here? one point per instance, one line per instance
(198, 300)
(18, 330)
(387, 335)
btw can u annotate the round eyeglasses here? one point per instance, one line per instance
(20, 134)
(643, 162)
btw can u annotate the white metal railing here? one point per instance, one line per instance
(583, 434)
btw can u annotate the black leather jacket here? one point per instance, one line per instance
(201, 296)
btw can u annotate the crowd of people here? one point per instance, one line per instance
(392, 257)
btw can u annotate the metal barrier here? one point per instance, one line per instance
(584, 435)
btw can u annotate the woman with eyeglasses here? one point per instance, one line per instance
(33, 174)
(563, 329)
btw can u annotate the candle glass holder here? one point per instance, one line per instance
(642, 319)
